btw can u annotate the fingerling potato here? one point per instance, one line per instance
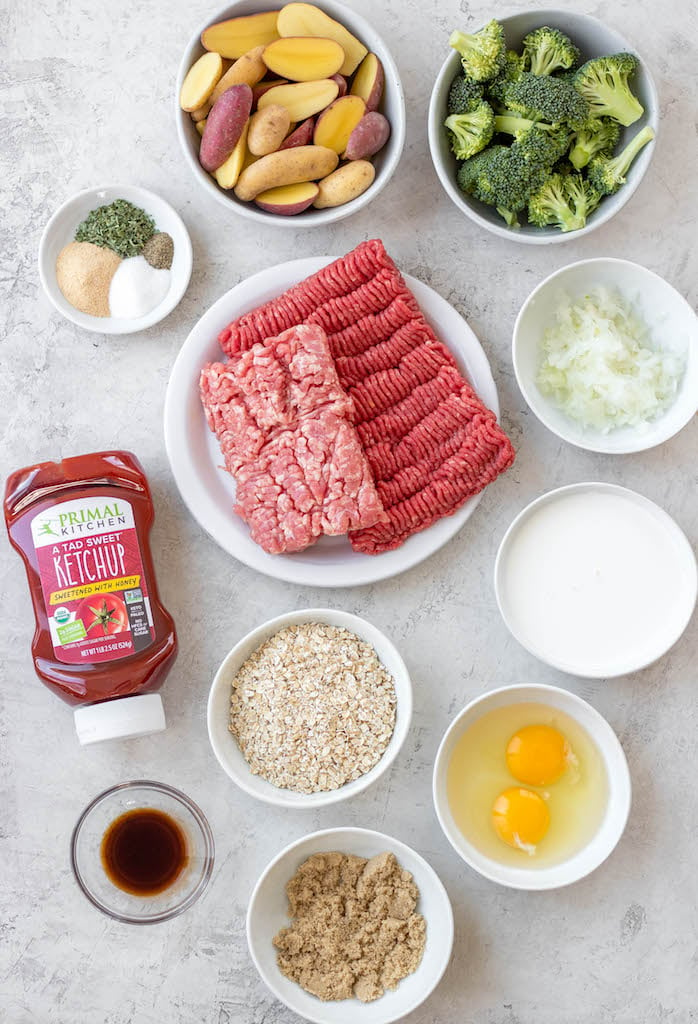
(268, 129)
(286, 167)
(344, 184)
(370, 134)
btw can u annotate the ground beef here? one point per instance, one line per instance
(430, 442)
(285, 428)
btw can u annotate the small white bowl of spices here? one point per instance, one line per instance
(115, 259)
(310, 708)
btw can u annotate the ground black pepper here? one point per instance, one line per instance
(159, 251)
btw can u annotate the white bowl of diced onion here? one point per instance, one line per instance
(606, 355)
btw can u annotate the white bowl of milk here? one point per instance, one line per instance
(595, 580)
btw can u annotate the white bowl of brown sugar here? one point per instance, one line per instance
(310, 708)
(372, 966)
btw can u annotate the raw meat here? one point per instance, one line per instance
(285, 428)
(430, 442)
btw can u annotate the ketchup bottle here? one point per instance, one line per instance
(103, 641)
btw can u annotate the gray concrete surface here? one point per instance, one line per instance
(87, 99)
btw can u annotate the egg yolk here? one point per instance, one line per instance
(520, 818)
(537, 755)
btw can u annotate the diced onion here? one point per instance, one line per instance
(600, 366)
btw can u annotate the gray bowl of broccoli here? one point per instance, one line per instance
(542, 124)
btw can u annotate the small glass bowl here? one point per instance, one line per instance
(86, 861)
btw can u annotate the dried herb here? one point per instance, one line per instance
(120, 226)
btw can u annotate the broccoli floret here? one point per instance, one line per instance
(603, 82)
(563, 167)
(509, 216)
(489, 178)
(514, 67)
(470, 172)
(550, 204)
(547, 50)
(544, 144)
(463, 95)
(607, 174)
(470, 132)
(545, 98)
(599, 136)
(582, 195)
(565, 200)
(482, 53)
(506, 176)
(508, 123)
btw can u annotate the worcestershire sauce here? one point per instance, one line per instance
(144, 851)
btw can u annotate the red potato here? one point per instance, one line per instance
(342, 83)
(224, 126)
(288, 200)
(259, 90)
(369, 82)
(300, 136)
(371, 134)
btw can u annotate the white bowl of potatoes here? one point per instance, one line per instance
(308, 133)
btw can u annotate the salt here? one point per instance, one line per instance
(137, 288)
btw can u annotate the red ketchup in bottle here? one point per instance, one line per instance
(103, 641)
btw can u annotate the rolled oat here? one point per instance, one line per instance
(313, 708)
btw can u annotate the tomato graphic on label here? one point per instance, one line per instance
(102, 615)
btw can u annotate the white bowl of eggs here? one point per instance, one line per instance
(531, 787)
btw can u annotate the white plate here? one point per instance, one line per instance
(209, 491)
(268, 913)
(595, 580)
(61, 228)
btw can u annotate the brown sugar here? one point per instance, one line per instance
(354, 929)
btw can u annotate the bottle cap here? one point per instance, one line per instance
(122, 719)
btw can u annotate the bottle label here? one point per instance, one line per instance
(94, 587)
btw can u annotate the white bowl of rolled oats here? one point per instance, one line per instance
(310, 708)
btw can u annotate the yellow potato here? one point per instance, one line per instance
(267, 129)
(200, 125)
(228, 173)
(202, 112)
(285, 167)
(298, 19)
(335, 125)
(248, 70)
(345, 184)
(200, 81)
(304, 58)
(238, 36)
(301, 99)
